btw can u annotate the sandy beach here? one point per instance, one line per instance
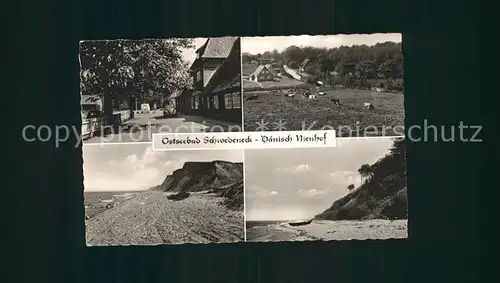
(150, 218)
(331, 230)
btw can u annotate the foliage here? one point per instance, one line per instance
(380, 61)
(144, 68)
(383, 196)
(350, 187)
(365, 171)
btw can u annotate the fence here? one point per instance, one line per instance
(92, 125)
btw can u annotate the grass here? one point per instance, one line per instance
(284, 82)
(349, 119)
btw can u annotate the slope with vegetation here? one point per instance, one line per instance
(223, 178)
(382, 195)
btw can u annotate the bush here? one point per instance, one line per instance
(357, 212)
(397, 209)
(342, 214)
(394, 85)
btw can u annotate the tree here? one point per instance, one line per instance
(365, 171)
(350, 187)
(366, 70)
(139, 69)
(388, 69)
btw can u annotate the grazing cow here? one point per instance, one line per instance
(368, 106)
(321, 93)
(290, 94)
(309, 95)
(336, 101)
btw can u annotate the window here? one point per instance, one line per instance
(209, 102)
(236, 100)
(215, 101)
(228, 99)
(198, 76)
(196, 102)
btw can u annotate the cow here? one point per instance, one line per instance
(321, 93)
(309, 95)
(368, 106)
(290, 94)
(335, 101)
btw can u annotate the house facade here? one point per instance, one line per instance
(216, 74)
(261, 74)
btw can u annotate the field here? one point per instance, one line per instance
(349, 119)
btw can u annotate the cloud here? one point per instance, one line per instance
(131, 172)
(256, 45)
(298, 169)
(138, 167)
(312, 192)
(256, 192)
(345, 177)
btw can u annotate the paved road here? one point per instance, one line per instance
(143, 126)
(149, 218)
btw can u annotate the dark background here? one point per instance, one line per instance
(446, 181)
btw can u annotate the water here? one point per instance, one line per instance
(253, 224)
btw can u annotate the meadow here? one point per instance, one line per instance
(350, 119)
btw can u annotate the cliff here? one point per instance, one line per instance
(220, 177)
(382, 196)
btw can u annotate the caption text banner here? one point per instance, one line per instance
(243, 140)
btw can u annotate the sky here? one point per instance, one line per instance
(132, 167)
(295, 184)
(255, 45)
(189, 54)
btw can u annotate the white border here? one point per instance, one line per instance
(115, 143)
(241, 88)
(244, 198)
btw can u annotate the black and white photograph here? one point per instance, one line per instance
(137, 196)
(131, 89)
(349, 83)
(356, 190)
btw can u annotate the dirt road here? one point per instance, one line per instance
(150, 218)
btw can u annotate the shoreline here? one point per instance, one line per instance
(325, 230)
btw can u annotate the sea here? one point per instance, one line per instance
(253, 224)
(97, 202)
(267, 231)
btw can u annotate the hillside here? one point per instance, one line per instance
(220, 177)
(383, 196)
